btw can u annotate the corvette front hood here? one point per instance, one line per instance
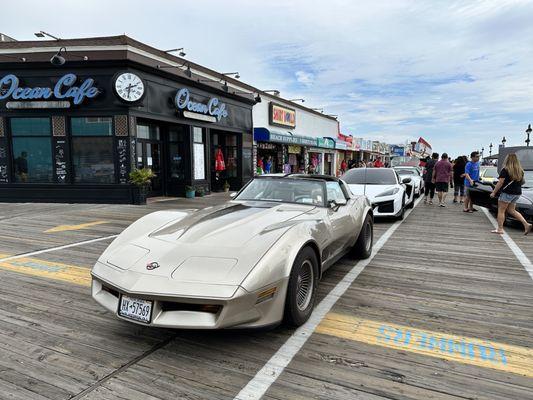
(218, 245)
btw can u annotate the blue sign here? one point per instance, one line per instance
(397, 151)
(63, 90)
(213, 107)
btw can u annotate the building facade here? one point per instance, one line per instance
(74, 132)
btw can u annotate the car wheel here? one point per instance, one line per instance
(411, 204)
(301, 292)
(363, 246)
(402, 212)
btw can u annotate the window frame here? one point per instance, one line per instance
(11, 153)
(72, 137)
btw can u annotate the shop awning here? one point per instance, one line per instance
(274, 136)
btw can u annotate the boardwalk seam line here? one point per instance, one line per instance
(269, 373)
(114, 373)
(517, 251)
(66, 246)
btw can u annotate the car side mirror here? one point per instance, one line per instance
(406, 180)
(232, 195)
(334, 204)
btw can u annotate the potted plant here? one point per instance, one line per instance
(226, 186)
(142, 179)
(200, 191)
(189, 192)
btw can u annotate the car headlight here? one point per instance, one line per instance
(389, 192)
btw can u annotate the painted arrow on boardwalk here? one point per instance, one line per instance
(62, 228)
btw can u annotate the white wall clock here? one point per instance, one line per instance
(129, 87)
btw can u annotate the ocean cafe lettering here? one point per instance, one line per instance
(213, 107)
(64, 89)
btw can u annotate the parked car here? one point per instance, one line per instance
(415, 173)
(251, 262)
(488, 174)
(481, 192)
(389, 194)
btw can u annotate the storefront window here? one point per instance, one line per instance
(199, 153)
(92, 150)
(32, 149)
(148, 132)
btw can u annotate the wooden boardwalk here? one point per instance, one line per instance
(443, 311)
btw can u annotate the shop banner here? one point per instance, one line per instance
(341, 145)
(397, 151)
(345, 138)
(422, 146)
(326, 143)
(282, 116)
(357, 144)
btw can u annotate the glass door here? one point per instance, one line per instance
(149, 155)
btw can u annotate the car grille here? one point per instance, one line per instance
(385, 207)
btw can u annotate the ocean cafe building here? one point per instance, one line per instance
(74, 129)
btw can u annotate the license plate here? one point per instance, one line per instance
(136, 309)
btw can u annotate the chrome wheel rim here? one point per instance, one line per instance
(304, 285)
(368, 236)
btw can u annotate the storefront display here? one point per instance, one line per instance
(73, 134)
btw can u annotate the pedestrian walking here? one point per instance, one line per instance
(442, 175)
(471, 177)
(509, 190)
(459, 179)
(429, 186)
(378, 163)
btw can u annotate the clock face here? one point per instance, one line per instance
(129, 87)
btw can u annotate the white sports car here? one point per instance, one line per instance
(416, 177)
(253, 261)
(389, 194)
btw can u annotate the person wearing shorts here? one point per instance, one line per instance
(509, 187)
(442, 175)
(429, 186)
(471, 177)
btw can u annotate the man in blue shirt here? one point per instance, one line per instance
(471, 176)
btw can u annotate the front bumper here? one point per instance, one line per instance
(387, 206)
(185, 311)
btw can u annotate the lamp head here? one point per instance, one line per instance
(57, 59)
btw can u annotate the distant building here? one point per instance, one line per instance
(5, 38)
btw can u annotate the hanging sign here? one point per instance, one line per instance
(213, 108)
(282, 116)
(64, 89)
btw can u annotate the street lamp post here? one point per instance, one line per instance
(503, 141)
(528, 131)
(482, 150)
(490, 149)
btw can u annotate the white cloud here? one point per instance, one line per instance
(388, 68)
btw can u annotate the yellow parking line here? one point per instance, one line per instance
(472, 351)
(62, 228)
(47, 269)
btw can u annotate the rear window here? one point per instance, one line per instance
(370, 176)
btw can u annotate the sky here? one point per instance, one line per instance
(458, 73)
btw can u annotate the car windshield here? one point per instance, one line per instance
(370, 176)
(491, 172)
(405, 171)
(284, 190)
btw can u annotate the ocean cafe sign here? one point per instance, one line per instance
(211, 111)
(64, 91)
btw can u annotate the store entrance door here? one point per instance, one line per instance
(149, 155)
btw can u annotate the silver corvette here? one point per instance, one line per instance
(252, 262)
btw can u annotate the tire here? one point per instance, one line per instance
(297, 307)
(402, 212)
(411, 204)
(363, 246)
